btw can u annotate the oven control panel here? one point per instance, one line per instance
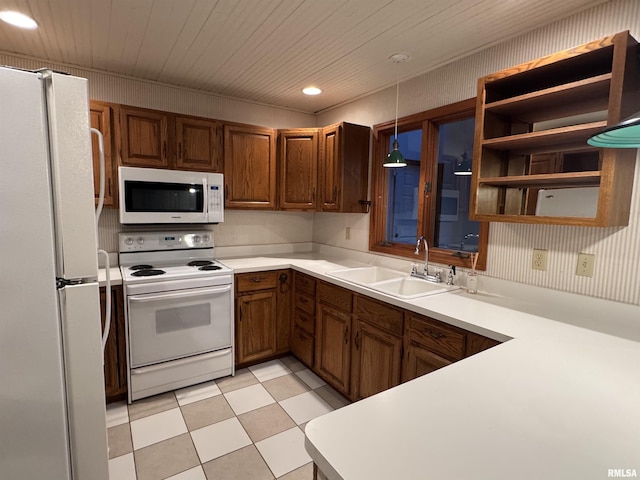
(154, 241)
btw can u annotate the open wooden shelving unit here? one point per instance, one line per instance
(532, 126)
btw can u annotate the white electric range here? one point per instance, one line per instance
(178, 311)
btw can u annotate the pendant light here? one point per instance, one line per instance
(625, 134)
(394, 158)
(463, 167)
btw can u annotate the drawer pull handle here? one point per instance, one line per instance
(257, 279)
(435, 334)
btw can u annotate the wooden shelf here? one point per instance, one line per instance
(546, 180)
(588, 95)
(532, 125)
(555, 136)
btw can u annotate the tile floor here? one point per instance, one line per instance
(250, 426)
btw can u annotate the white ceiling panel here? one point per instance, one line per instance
(267, 50)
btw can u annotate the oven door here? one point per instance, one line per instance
(169, 325)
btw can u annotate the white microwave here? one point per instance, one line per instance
(150, 195)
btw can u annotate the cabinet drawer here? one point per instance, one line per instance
(302, 345)
(305, 303)
(304, 321)
(437, 337)
(379, 314)
(305, 283)
(250, 282)
(336, 296)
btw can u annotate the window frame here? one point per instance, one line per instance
(429, 121)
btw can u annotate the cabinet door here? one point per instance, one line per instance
(376, 360)
(198, 144)
(283, 317)
(344, 168)
(115, 361)
(302, 345)
(250, 167)
(333, 346)
(144, 137)
(298, 160)
(256, 326)
(100, 117)
(419, 361)
(330, 169)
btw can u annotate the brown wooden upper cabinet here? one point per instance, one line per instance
(324, 169)
(532, 126)
(298, 166)
(343, 170)
(101, 118)
(250, 167)
(151, 138)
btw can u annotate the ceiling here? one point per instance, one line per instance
(267, 50)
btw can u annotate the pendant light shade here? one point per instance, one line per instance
(625, 134)
(463, 167)
(394, 158)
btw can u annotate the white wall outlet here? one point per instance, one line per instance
(347, 233)
(539, 260)
(586, 262)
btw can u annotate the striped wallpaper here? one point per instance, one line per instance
(617, 249)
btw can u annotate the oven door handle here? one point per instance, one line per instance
(190, 293)
(182, 361)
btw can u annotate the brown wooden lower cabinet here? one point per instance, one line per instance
(115, 360)
(333, 347)
(263, 305)
(377, 347)
(358, 345)
(376, 360)
(419, 361)
(303, 345)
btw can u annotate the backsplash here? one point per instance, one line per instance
(241, 227)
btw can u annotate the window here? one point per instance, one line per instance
(426, 198)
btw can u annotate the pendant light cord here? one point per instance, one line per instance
(397, 96)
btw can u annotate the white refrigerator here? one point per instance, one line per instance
(52, 407)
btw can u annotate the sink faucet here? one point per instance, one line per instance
(425, 273)
(426, 253)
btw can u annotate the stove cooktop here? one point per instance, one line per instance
(160, 271)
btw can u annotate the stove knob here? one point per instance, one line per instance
(196, 239)
(140, 240)
(128, 241)
(206, 238)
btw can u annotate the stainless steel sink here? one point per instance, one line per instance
(391, 282)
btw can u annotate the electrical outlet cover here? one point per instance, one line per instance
(539, 260)
(586, 263)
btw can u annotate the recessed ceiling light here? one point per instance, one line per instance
(18, 19)
(311, 91)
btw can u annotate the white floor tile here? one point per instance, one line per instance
(284, 452)
(117, 414)
(197, 393)
(248, 398)
(310, 378)
(122, 468)
(195, 473)
(158, 427)
(305, 407)
(268, 370)
(219, 439)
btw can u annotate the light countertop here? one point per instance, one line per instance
(559, 400)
